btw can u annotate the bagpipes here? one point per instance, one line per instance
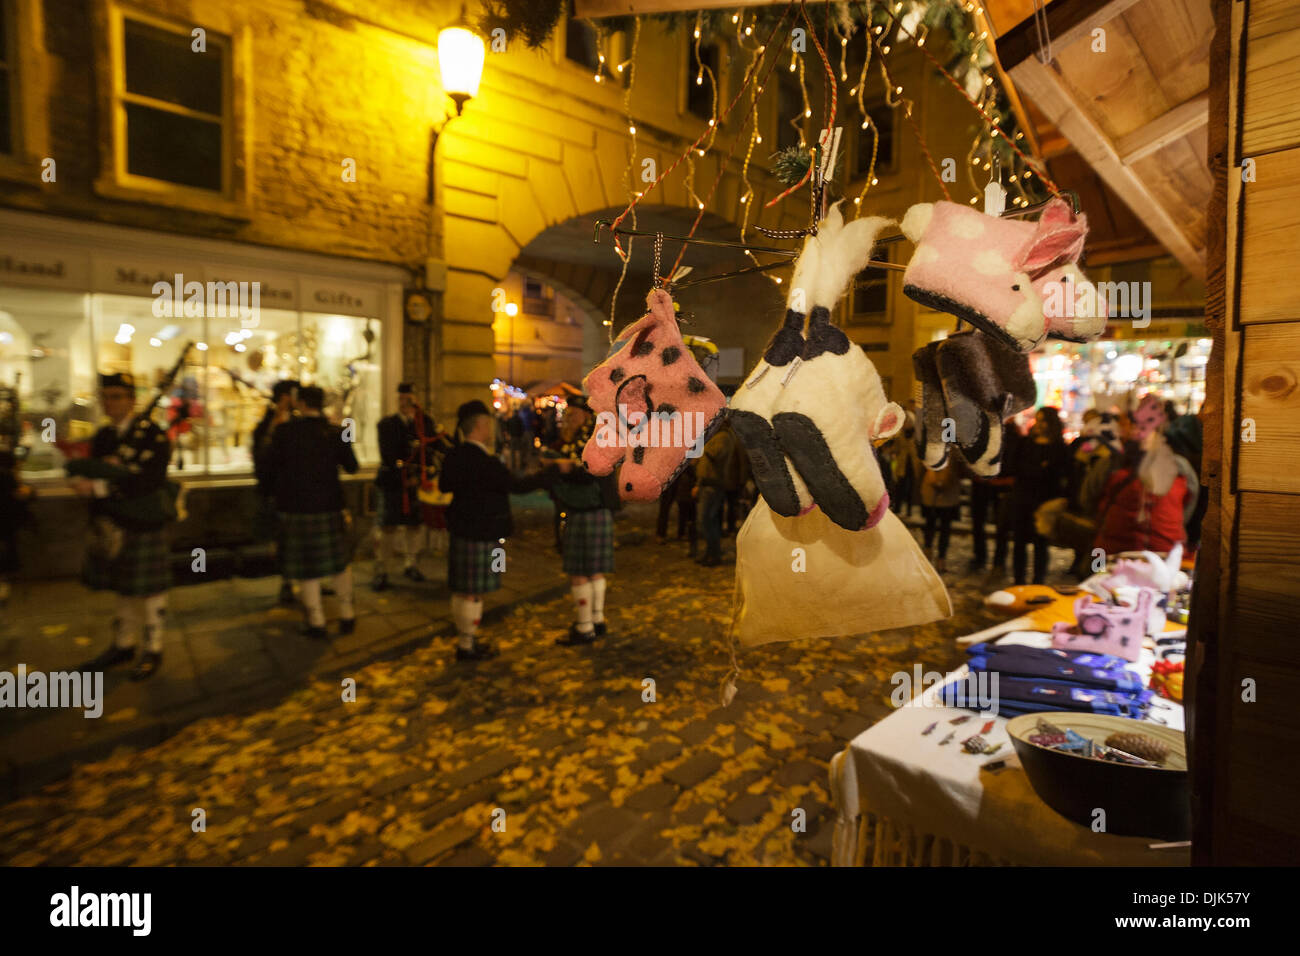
(154, 508)
(427, 487)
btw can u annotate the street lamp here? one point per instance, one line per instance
(460, 60)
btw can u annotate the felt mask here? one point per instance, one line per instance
(654, 405)
(752, 405)
(983, 383)
(840, 582)
(1003, 276)
(833, 406)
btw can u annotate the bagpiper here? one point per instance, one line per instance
(131, 505)
(479, 521)
(408, 441)
(302, 466)
(279, 412)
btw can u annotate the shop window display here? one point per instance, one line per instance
(53, 344)
(45, 353)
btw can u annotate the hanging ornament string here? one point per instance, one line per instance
(722, 167)
(993, 127)
(828, 120)
(618, 247)
(628, 173)
(892, 89)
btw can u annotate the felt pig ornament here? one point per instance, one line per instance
(998, 273)
(1105, 628)
(654, 405)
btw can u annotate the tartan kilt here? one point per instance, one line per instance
(314, 545)
(142, 568)
(469, 566)
(589, 542)
(388, 505)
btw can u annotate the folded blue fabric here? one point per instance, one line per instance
(1045, 694)
(1053, 668)
(1082, 658)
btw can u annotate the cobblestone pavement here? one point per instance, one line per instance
(545, 755)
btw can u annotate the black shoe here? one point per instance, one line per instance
(150, 661)
(600, 628)
(482, 651)
(286, 593)
(576, 637)
(110, 658)
(347, 625)
(380, 583)
(327, 591)
(708, 562)
(316, 633)
(414, 573)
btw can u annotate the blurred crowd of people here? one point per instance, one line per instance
(1127, 482)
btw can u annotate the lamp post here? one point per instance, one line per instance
(461, 54)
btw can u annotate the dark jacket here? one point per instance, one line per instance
(579, 490)
(480, 486)
(301, 466)
(144, 453)
(1040, 470)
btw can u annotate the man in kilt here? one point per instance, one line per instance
(586, 504)
(406, 442)
(126, 479)
(302, 467)
(279, 412)
(479, 522)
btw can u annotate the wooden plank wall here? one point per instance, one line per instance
(1246, 623)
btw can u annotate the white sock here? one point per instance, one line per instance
(598, 599)
(410, 546)
(582, 601)
(129, 621)
(343, 590)
(462, 613)
(384, 549)
(309, 592)
(155, 606)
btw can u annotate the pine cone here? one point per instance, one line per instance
(1139, 745)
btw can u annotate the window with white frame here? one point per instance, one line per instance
(172, 105)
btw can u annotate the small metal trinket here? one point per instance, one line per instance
(948, 739)
(959, 720)
(926, 732)
(974, 745)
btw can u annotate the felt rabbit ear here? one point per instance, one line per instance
(1059, 237)
(888, 421)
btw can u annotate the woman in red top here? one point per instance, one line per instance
(1142, 506)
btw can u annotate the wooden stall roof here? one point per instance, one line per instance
(1130, 101)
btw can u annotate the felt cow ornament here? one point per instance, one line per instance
(810, 410)
(751, 407)
(654, 405)
(976, 383)
(1106, 628)
(997, 274)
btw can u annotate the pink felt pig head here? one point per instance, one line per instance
(995, 272)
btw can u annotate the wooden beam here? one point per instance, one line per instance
(1067, 21)
(1163, 130)
(595, 9)
(1043, 85)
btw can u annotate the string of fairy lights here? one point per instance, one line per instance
(956, 28)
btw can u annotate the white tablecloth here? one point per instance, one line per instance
(917, 803)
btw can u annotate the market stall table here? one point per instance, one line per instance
(916, 803)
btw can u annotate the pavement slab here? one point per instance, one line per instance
(246, 720)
